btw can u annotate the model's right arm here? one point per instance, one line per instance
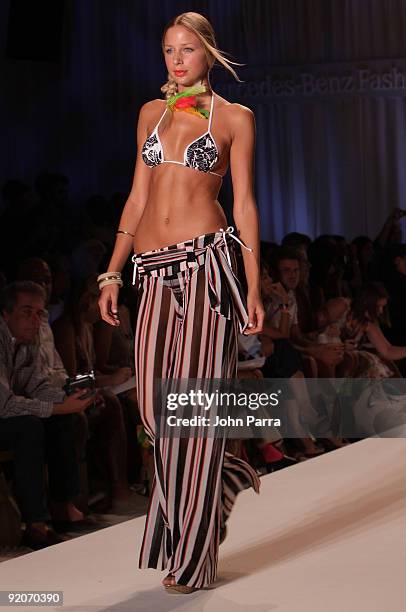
(137, 199)
(130, 217)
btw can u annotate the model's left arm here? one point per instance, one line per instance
(245, 210)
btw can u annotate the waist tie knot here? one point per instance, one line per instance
(220, 276)
(230, 233)
(223, 286)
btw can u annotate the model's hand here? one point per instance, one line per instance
(108, 304)
(256, 314)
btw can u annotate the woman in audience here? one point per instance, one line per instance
(374, 405)
(375, 354)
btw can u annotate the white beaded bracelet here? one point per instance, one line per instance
(108, 275)
(110, 281)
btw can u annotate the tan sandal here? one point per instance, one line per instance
(179, 588)
(171, 576)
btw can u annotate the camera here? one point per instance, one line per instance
(81, 381)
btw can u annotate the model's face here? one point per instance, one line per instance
(289, 272)
(25, 319)
(185, 57)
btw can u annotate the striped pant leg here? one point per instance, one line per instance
(207, 349)
(156, 331)
(180, 336)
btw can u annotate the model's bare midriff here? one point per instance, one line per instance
(182, 204)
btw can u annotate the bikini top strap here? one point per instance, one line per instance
(211, 112)
(162, 116)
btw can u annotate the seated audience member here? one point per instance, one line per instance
(319, 360)
(283, 360)
(51, 366)
(73, 333)
(300, 243)
(374, 407)
(37, 270)
(36, 419)
(375, 354)
(325, 356)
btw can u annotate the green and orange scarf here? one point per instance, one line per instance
(186, 101)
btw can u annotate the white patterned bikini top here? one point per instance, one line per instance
(201, 154)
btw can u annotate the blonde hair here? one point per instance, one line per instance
(202, 28)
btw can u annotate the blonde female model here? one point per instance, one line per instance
(190, 305)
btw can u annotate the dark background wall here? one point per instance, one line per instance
(72, 83)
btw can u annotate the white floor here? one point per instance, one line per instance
(325, 535)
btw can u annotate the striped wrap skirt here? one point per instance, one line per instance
(190, 310)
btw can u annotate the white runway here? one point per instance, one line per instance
(325, 535)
